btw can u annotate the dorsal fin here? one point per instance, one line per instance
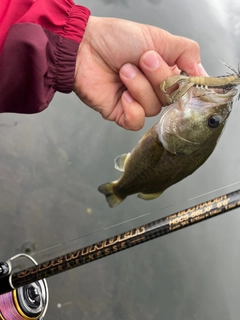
(120, 161)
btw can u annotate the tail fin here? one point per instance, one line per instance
(112, 199)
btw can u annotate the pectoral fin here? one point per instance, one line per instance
(120, 161)
(149, 196)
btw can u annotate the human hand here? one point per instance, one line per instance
(120, 65)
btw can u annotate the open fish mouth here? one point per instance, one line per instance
(220, 85)
(216, 95)
(226, 91)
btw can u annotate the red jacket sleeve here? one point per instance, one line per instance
(38, 47)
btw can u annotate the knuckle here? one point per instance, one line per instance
(195, 46)
(190, 44)
(133, 122)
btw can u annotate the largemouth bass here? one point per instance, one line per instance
(182, 140)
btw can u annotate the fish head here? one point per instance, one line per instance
(196, 120)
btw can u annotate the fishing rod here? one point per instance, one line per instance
(26, 290)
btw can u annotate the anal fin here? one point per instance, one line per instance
(149, 196)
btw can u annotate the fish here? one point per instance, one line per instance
(176, 146)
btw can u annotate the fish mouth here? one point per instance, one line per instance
(223, 93)
(226, 91)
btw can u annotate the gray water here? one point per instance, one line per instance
(52, 163)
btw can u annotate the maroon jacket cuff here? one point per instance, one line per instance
(34, 64)
(61, 62)
(39, 59)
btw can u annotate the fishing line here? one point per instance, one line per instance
(8, 309)
(25, 303)
(91, 233)
(207, 193)
(130, 220)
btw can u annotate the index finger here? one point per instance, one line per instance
(183, 52)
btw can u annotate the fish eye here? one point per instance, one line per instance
(214, 121)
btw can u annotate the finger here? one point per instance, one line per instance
(140, 89)
(128, 113)
(156, 70)
(183, 52)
